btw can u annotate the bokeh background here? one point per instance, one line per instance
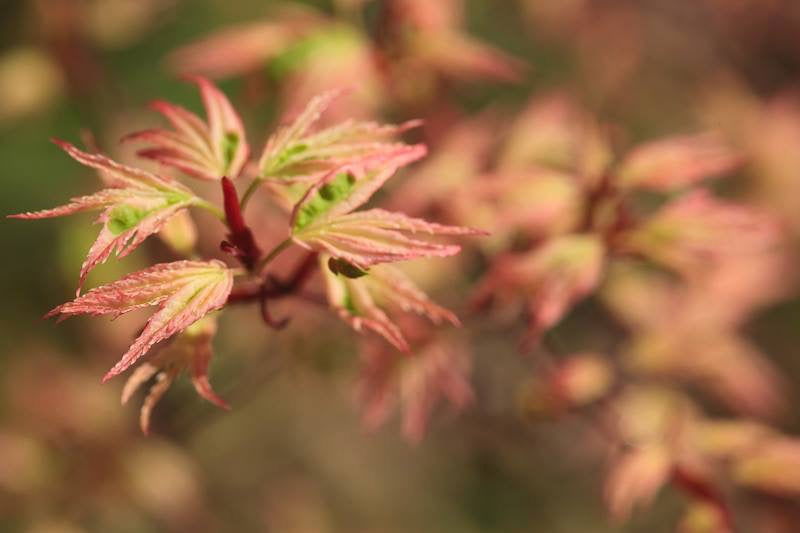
(292, 455)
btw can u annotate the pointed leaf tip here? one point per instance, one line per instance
(137, 205)
(367, 238)
(202, 149)
(184, 292)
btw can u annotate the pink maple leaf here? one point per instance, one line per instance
(185, 291)
(140, 206)
(553, 278)
(698, 230)
(244, 48)
(322, 219)
(191, 350)
(675, 162)
(366, 238)
(438, 372)
(206, 150)
(635, 478)
(431, 32)
(295, 156)
(363, 301)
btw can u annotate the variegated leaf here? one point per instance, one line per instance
(366, 238)
(295, 157)
(354, 304)
(139, 208)
(362, 301)
(185, 291)
(206, 150)
(320, 220)
(391, 287)
(349, 186)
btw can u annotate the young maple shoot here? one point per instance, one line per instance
(319, 177)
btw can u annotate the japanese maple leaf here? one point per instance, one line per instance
(138, 205)
(635, 478)
(361, 299)
(698, 230)
(553, 278)
(437, 373)
(295, 156)
(206, 150)
(245, 48)
(432, 39)
(185, 291)
(322, 219)
(675, 162)
(191, 350)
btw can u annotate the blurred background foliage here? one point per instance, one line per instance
(292, 456)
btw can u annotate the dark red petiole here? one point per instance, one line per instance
(240, 241)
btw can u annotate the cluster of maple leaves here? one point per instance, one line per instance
(570, 215)
(678, 268)
(322, 177)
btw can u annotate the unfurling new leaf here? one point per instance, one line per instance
(206, 150)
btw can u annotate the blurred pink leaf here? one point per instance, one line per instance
(537, 202)
(418, 381)
(552, 278)
(702, 517)
(635, 478)
(676, 162)
(431, 35)
(720, 363)
(574, 381)
(554, 132)
(243, 48)
(452, 167)
(582, 378)
(774, 467)
(697, 231)
(461, 57)
(687, 331)
(191, 350)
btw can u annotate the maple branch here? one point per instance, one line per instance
(273, 288)
(301, 274)
(240, 241)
